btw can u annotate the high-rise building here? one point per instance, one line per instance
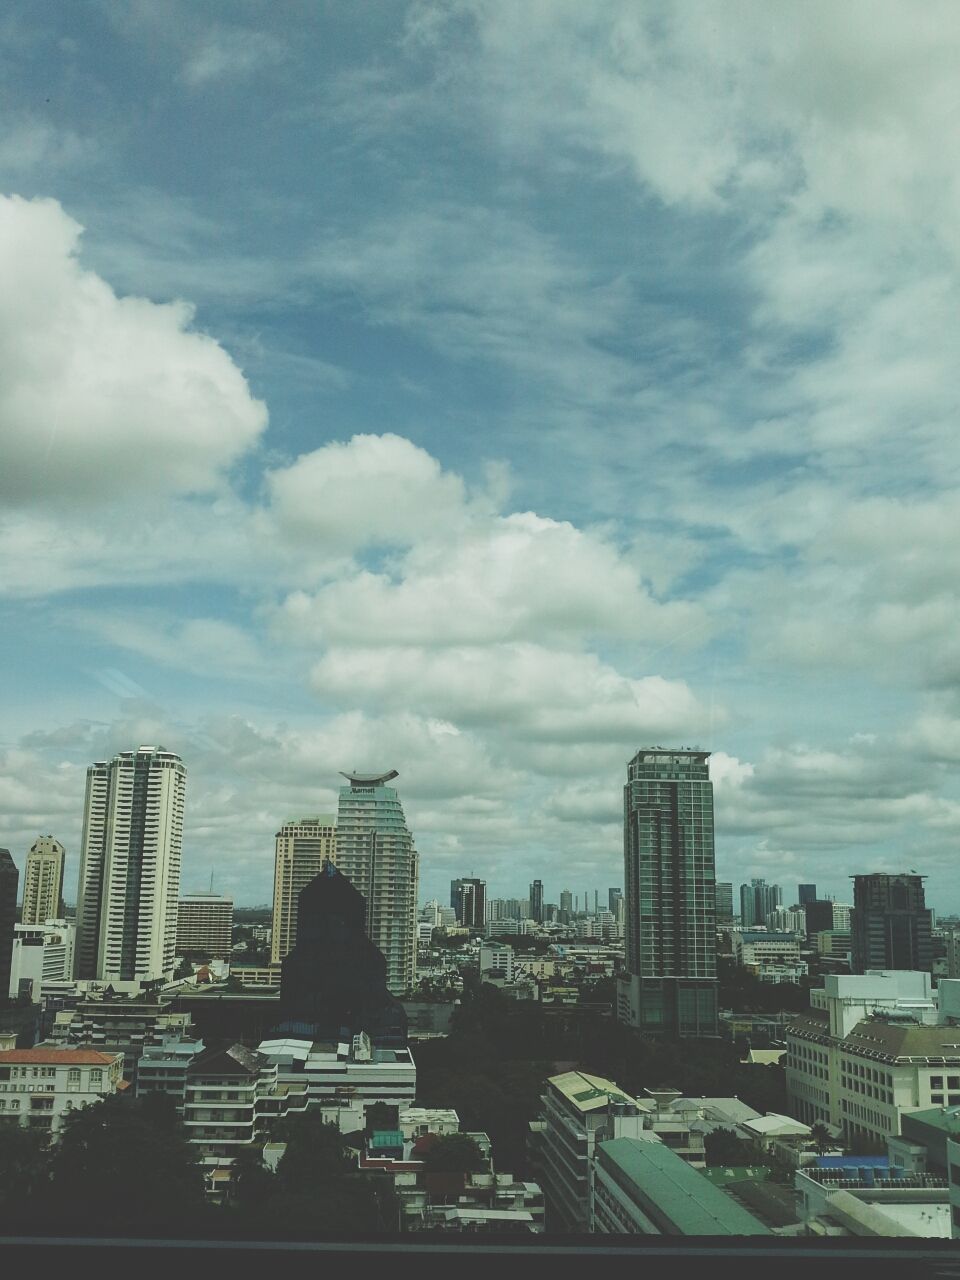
(724, 902)
(302, 847)
(130, 866)
(670, 983)
(757, 900)
(43, 881)
(566, 906)
(9, 883)
(614, 896)
(468, 898)
(806, 893)
(890, 924)
(536, 901)
(205, 925)
(375, 851)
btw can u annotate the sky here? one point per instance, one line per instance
(486, 391)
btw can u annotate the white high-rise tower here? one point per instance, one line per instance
(375, 852)
(130, 866)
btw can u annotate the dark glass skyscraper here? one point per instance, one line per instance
(806, 893)
(757, 900)
(670, 984)
(9, 883)
(469, 900)
(536, 901)
(890, 924)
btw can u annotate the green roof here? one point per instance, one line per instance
(386, 1138)
(673, 1192)
(943, 1119)
(727, 1174)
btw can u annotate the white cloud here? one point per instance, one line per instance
(100, 396)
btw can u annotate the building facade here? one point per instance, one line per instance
(130, 867)
(38, 1087)
(890, 923)
(9, 883)
(670, 981)
(375, 851)
(724, 902)
(205, 924)
(42, 953)
(468, 898)
(536, 901)
(302, 847)
(43, 881)
(806, 893)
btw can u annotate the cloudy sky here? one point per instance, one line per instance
(486, 390)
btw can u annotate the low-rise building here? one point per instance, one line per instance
(347, 1073)
(497, 962)
(118, 1024)
(163, 1067)
(754, 947)
(644, 1188)
(860, 1196)
(38, 1087)
(42, 955)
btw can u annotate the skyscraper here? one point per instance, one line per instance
(806, 893)
(757, 900)
(613, 898)
(130, 866)
(890, 924)
(536, 901)
(9, 883)
(724, 902)
(670, 983)
(566, 906)
(302, 847)
(43, 881)
(469, 900)
(375, 851)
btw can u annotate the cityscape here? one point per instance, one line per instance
(823, 1099)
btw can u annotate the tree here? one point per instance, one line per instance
(24, 1174)
(723, 1147)
(821, 1137)
(453, 1153)
(119, 1169)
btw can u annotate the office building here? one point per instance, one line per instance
(614, 898)
(9, 882)
(819, 917)
(890, 925)
(565, 913)
(468, 898)
(39, 1087)
(841, 915)
(806, 893)
(43, 882)
(130, 867)
(205, 925)
(42, 953)
(670, 979)
(871, 1049)
(757, 900)
(303, 845)
(375, 851)
(536, 901)
(724, 902)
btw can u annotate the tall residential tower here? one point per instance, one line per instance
(670, 982)
(130, 866)
(43, 881)
(375, 852)
(303, 845)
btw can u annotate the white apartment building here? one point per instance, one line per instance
(787, 920)
(43, 881)
(507, 928)
(872, 1048)
(162, 1068)
(497, 961)
(841, 916)
(39, 1086)
(42, 954)
(751, 948)
(130, 867)
(580, 1111)
(302, 847)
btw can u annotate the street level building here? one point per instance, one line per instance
(670, 980)
(302, 847)
(43, 881)
(38, 1087)
(130, 867)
